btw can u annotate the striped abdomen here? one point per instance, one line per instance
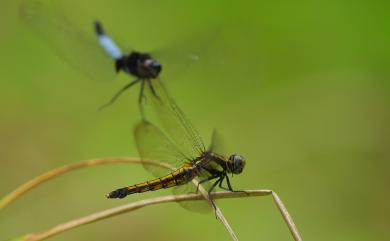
(180, 176)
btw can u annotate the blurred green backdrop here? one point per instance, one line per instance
(303, 94)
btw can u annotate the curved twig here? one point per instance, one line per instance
(24, 188)
(152, 201)
(139, 204)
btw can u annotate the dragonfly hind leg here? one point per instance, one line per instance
(205, 180)
(116, 96)
(218, 182)
(142, 97)
(153, 90)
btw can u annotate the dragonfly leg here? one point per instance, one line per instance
(224, 188)
(140, 98)
(215, 184)
(115, 97)
(211, 189)
(205, 180)
(230, 186)
(154, 93)
(228, 183)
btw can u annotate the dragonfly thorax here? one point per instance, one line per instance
(141, 65)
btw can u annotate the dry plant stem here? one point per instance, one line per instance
(143, 203)
(287, 217)
(218, 212)
(112, 212)
(62, 170)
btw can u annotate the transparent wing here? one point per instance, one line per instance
(201, 206)
(152, 144)
(196, 206)
(176, 61)
(79, 50)
(172, 120)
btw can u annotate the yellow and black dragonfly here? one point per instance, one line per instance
(95, 53)
(176, 142)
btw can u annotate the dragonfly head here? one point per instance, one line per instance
(236, 164)
(153, 65)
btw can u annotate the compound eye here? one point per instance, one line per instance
(238, 163)
(155, 64)
(152, 63)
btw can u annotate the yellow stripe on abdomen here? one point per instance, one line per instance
(179, 177)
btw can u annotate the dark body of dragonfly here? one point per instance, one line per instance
(176, 142)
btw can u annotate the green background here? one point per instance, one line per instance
(300, 88)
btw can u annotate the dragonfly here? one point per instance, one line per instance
(138, 64)
(174, 140)
(97, 55)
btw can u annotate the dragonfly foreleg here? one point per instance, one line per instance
(230, 186)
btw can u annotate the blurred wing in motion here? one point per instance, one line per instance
(81, 51)
(188, 53)
(172, 120)
(152, 144)
(176, 61)
(217, 144)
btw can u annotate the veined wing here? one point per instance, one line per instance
(152, 144)
(172, 120)
(216, 146)
(79, 50)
